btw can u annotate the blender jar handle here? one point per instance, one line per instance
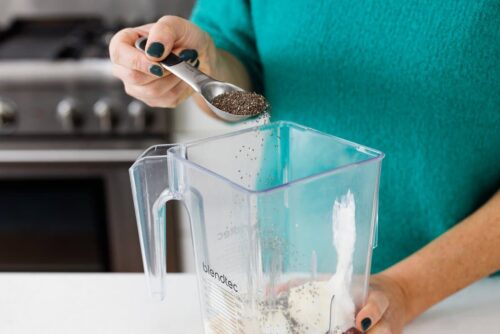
(152, 179)
(154, 249)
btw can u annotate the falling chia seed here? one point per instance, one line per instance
(241, 103)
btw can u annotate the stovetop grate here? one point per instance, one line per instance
(56, 39)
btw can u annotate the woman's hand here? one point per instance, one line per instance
(464, 254)
(143, 78)
(385, 311)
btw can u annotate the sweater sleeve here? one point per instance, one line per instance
(229, 23)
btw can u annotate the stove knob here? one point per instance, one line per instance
(7, 113)
(138, 112)
(67, 113)
(104, 112)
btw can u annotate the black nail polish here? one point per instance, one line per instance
(156, 70)
(156, 50)
(366, 323)
(188, 55)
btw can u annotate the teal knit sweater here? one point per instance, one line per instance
(417, 79)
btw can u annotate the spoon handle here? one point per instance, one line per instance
(184, 71)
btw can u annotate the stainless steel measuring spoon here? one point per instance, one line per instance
(203, 84)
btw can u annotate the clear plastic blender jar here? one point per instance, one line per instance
(283, 220)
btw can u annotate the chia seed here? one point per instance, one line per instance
(241, 103)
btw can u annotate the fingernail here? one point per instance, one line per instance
(366, 323)
(188, 55)
(156, 70)
(156, 50)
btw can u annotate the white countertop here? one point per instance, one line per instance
(119, 303)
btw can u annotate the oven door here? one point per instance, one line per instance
(67, 210)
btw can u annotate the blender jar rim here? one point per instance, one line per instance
(153, 152)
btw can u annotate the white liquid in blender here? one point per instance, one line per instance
(305, 308)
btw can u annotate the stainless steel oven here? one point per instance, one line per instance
(68, 133)
(67, 209)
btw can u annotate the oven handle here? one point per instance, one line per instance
(68, 156)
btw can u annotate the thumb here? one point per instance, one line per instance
(163, 35)
(373, 311)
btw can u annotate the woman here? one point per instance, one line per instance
(417, 79)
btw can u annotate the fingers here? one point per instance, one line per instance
(156, 96)
(163, 35)
(157, 88)
(132, 77)
(168, 101)
(373, 311)
(123, 53)
(141, 74)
